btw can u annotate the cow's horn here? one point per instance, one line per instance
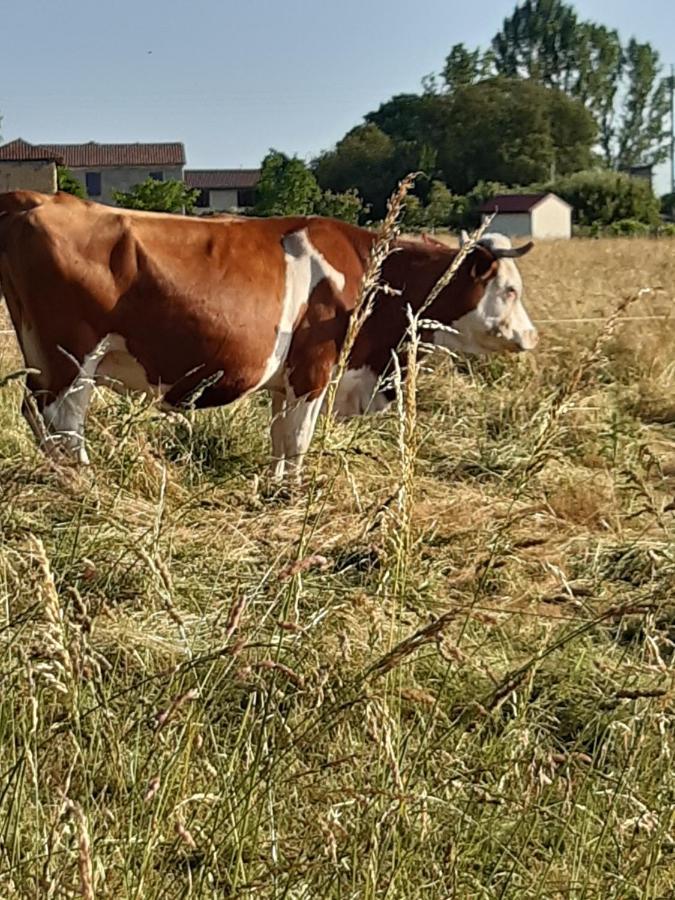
(511, 252)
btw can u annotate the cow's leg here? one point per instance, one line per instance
(65, 416)
(299, 423)
(278, 432)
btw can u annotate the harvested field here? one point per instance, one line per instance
(443, 669)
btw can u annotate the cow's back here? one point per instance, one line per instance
(189, 298)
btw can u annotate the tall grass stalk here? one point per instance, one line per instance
(461, 687)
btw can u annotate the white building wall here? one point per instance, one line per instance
(124, 178)
(552, 219)
(222, 200)
(34, 175)
(511, 224)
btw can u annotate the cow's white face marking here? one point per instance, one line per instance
(500, 321)
(305, 268)
(356, 394)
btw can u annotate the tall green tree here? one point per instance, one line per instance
(286, 187)
(599, 76)
(346, 206)
(369, 161)
(643, 136)
(539, 41)
(508, 129)
(513, 131)
(463, 66)
(622, 86)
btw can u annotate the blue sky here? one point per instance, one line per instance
(231, 79)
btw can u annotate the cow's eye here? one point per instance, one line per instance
(511, 294)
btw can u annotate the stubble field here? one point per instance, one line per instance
(443, 669)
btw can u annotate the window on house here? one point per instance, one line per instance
(245, 197)
(93, 182)
(157, 176)
(203, 200)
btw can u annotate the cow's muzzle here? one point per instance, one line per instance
(526, 340)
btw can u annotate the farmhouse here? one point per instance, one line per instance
(223, 190)
(102, 169)
(26, 166)
(543, 216)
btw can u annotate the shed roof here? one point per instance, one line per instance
(98, 155)
(222, 179)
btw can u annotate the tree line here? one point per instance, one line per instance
(554, 102)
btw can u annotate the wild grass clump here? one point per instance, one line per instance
(446, 670)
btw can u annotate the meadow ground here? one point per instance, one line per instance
(470, 695)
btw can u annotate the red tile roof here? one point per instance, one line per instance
(222, 179)
(22, 151)
(98, 155)
(512, 203)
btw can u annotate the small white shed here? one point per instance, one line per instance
(543, 216)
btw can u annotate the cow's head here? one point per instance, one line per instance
(494, 319)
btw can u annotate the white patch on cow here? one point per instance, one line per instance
(109, 364)
(500, 321)
(122, 372)
(357, 394)
(305, 268)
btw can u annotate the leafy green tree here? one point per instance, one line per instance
(464, 66)
(69, 184)
(600, 70)
(346, 206)
(158, 196)
(600, 197)
(544, 40)
(406, 118)
(414, 213)
(369, 161)
(539, 41)
(574, 133)
(513, 131)
(286, 187)
(442, 206)
(643, 135)
(499, 128)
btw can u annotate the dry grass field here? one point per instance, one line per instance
(443, 669)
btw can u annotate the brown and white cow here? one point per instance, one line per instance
(205, 311)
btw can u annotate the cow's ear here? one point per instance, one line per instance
(483, 265)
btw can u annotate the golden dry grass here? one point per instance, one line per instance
(482, 710)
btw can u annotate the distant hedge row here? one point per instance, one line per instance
(603, 202)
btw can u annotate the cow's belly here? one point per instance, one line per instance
(122, 372)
